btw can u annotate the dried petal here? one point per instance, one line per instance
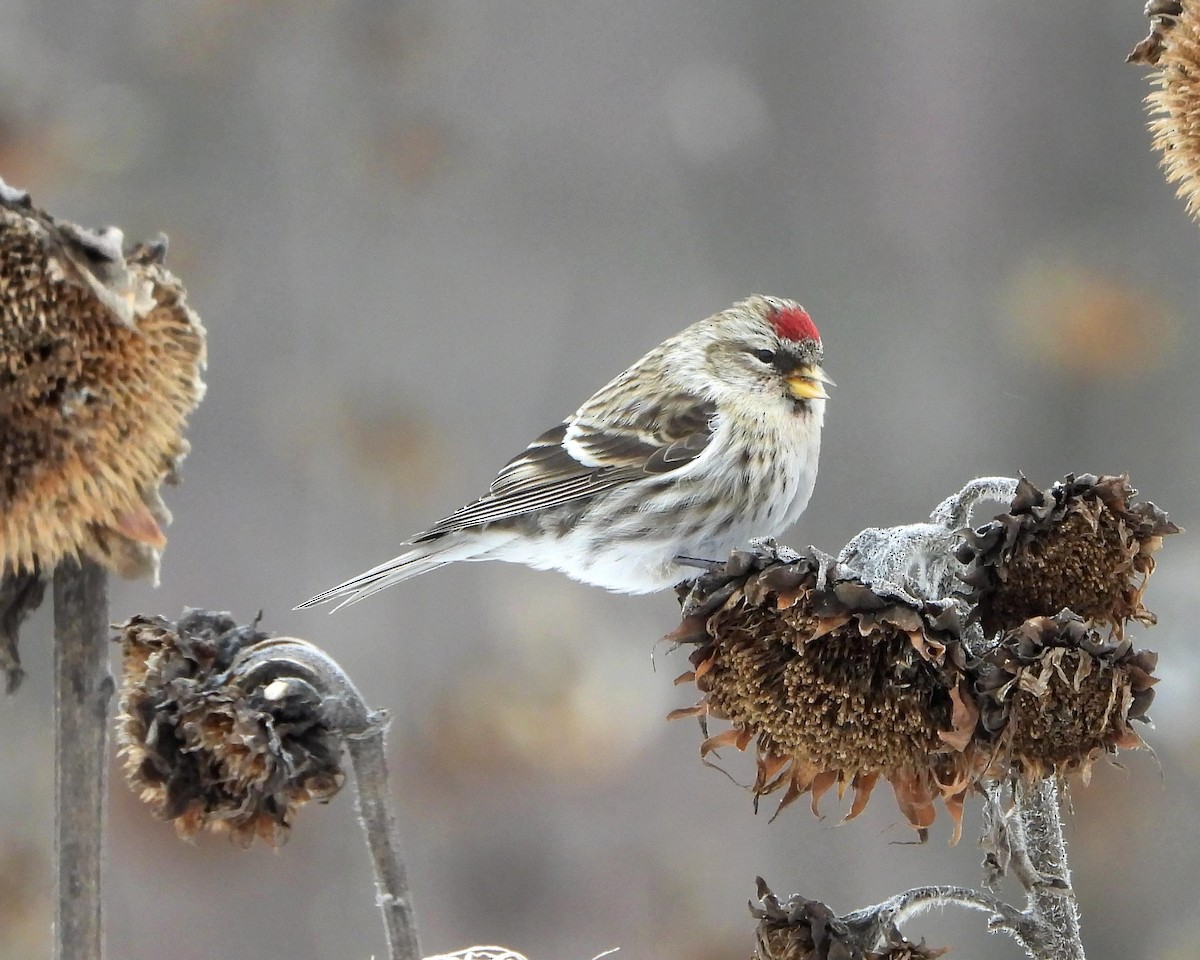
(20, 595)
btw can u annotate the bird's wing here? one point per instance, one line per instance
(583, 457)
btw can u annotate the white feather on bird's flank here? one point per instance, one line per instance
(708, 441)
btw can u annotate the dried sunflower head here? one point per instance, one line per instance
(799, 929)
(100, 363)
(836, 683)
(802, 929)
(203, 751)
(1054, 695)
(1081, 544)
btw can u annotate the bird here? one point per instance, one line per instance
(710, 439)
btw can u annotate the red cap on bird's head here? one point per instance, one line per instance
(793, 323)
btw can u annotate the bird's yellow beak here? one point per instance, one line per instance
(807, 383)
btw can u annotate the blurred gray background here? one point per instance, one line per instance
(421, 233)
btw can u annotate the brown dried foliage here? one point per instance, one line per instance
(836, 685)
(205, 753)
(100, 364)
(1054, 696)
(20, 595)
(802, 929)
(1080, 545)
(839, 683)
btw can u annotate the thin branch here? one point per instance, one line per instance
(83, 688)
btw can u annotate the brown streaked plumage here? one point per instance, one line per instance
(710, 439)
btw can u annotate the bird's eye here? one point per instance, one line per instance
(766, 356)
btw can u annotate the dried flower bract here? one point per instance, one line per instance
(207, 753)
(1163, 14)
(802, 929)
(1173, 49)
(100, 364)
(20, 595)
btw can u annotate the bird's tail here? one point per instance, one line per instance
(420, 559)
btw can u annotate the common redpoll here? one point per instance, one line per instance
(710, 439)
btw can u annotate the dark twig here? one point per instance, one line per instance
(83, 688)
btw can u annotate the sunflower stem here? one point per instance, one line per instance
(345, 710)
(83, 688)
(1048, 927)
(1051, 905)
(391, 879)
(877, 921)
(956, 510)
